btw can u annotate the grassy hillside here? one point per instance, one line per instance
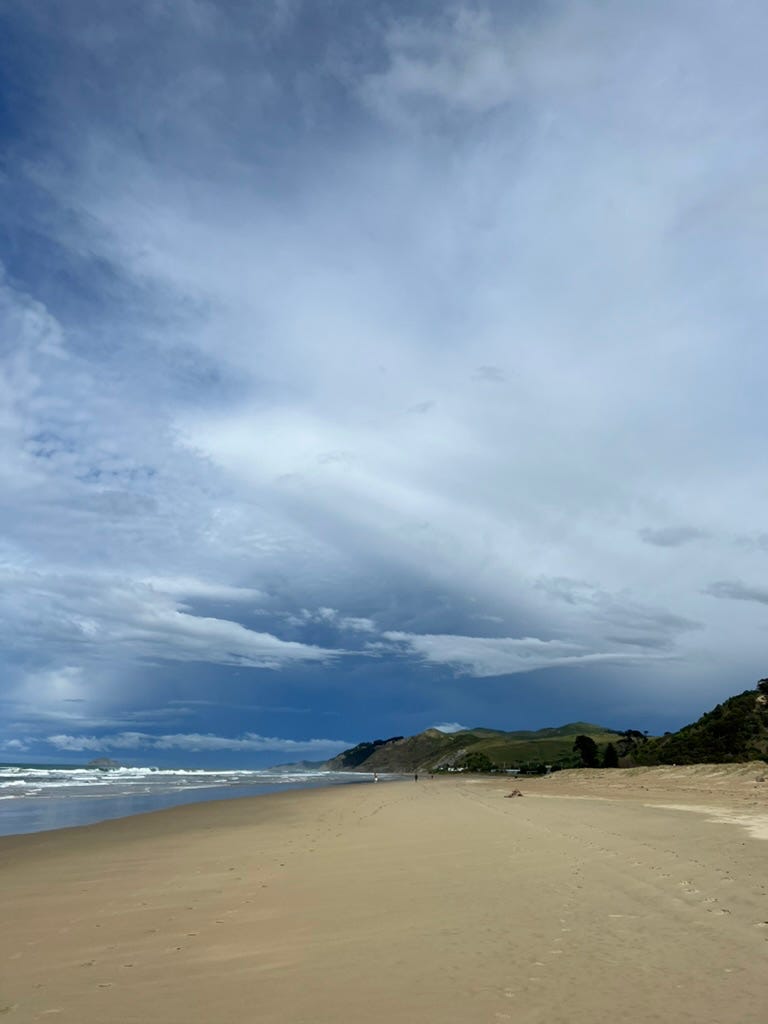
(553, 749)
(736, 730)
(433, 750)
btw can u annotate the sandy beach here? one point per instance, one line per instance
(640, 896)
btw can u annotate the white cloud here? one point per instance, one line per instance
(546, 240)
(449, 727)
(331, 617)
(486, 656)
(195, 742)
(357, 624)
(193, 588)
(461, 63)
(103, 616)
(323, 615)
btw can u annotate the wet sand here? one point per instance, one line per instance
(595, 895)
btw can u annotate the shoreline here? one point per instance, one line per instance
(48, 812)
(437, 900)
(697, 781)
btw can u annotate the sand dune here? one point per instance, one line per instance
(729, 784)
(432, 901)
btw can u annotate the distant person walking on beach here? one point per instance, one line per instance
(375, 776)
(416, 778)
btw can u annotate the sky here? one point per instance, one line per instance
(373, 367)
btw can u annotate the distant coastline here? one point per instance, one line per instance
(39, 798)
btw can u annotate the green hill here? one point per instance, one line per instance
(433, 750)
(736, 730)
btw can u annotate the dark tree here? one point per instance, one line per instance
(610, 757)
(477, 762)
(586, 748)
(763, 686)
(630, 740)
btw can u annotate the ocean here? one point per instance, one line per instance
(36, 798)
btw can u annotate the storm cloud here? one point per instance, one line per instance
(350, 352)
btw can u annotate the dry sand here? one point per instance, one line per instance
(437, 901)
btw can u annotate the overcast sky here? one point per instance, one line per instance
(368, 367)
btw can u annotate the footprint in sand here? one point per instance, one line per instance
(691, 890)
